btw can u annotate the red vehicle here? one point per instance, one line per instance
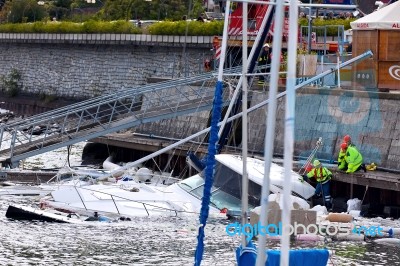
(256, 14)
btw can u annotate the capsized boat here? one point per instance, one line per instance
(20, 212)
(133, 199)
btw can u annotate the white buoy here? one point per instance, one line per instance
(390, 241)
(392, 231)
(144, 174)
(355, 213)
(352, 237)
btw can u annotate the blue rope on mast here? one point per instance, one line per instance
(209, 171)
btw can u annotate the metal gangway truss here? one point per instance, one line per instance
(106, 114)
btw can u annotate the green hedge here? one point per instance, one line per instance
(330, 31)
(193, 28)
(71, 27)
(181, 28)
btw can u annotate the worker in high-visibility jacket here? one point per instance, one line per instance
(353, 160)
(342, 164)
(323, 177)
(347, 139)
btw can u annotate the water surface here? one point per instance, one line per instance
(146, 241)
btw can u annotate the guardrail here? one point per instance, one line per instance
(107, 38)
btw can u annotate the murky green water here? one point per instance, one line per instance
(145, 241)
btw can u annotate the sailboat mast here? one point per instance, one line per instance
(289, 129)
(212, 143)
(270, 125)
(245, 182)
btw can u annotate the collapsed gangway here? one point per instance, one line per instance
(111, 113)
(106, 114)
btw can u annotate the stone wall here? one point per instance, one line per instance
(89, 70)
(370, 118)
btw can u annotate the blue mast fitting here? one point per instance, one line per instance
(302, 257)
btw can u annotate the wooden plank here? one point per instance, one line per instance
(388, 77)
(376, 179)
(364, 40)
(389, 42)
(365, 72)
(131, 141)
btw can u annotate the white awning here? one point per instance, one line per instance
(385, 18)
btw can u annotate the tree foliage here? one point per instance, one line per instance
(150, 9)
(22, 11)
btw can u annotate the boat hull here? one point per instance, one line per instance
(30, 214)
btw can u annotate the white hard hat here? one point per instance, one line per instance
(266, 45)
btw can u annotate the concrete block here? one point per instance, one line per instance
(395, 134)
(391, 164)
(394, 158)
(389, 105)
(394, 150)
(300, 217)
(382, 143)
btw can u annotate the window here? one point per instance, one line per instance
(227, 188)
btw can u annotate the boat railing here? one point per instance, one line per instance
(114, 198)
(163, 179)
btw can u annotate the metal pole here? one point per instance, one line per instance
(270, 132)
(289, 130)
(245, 182)
(309, 29)
(338, 69)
